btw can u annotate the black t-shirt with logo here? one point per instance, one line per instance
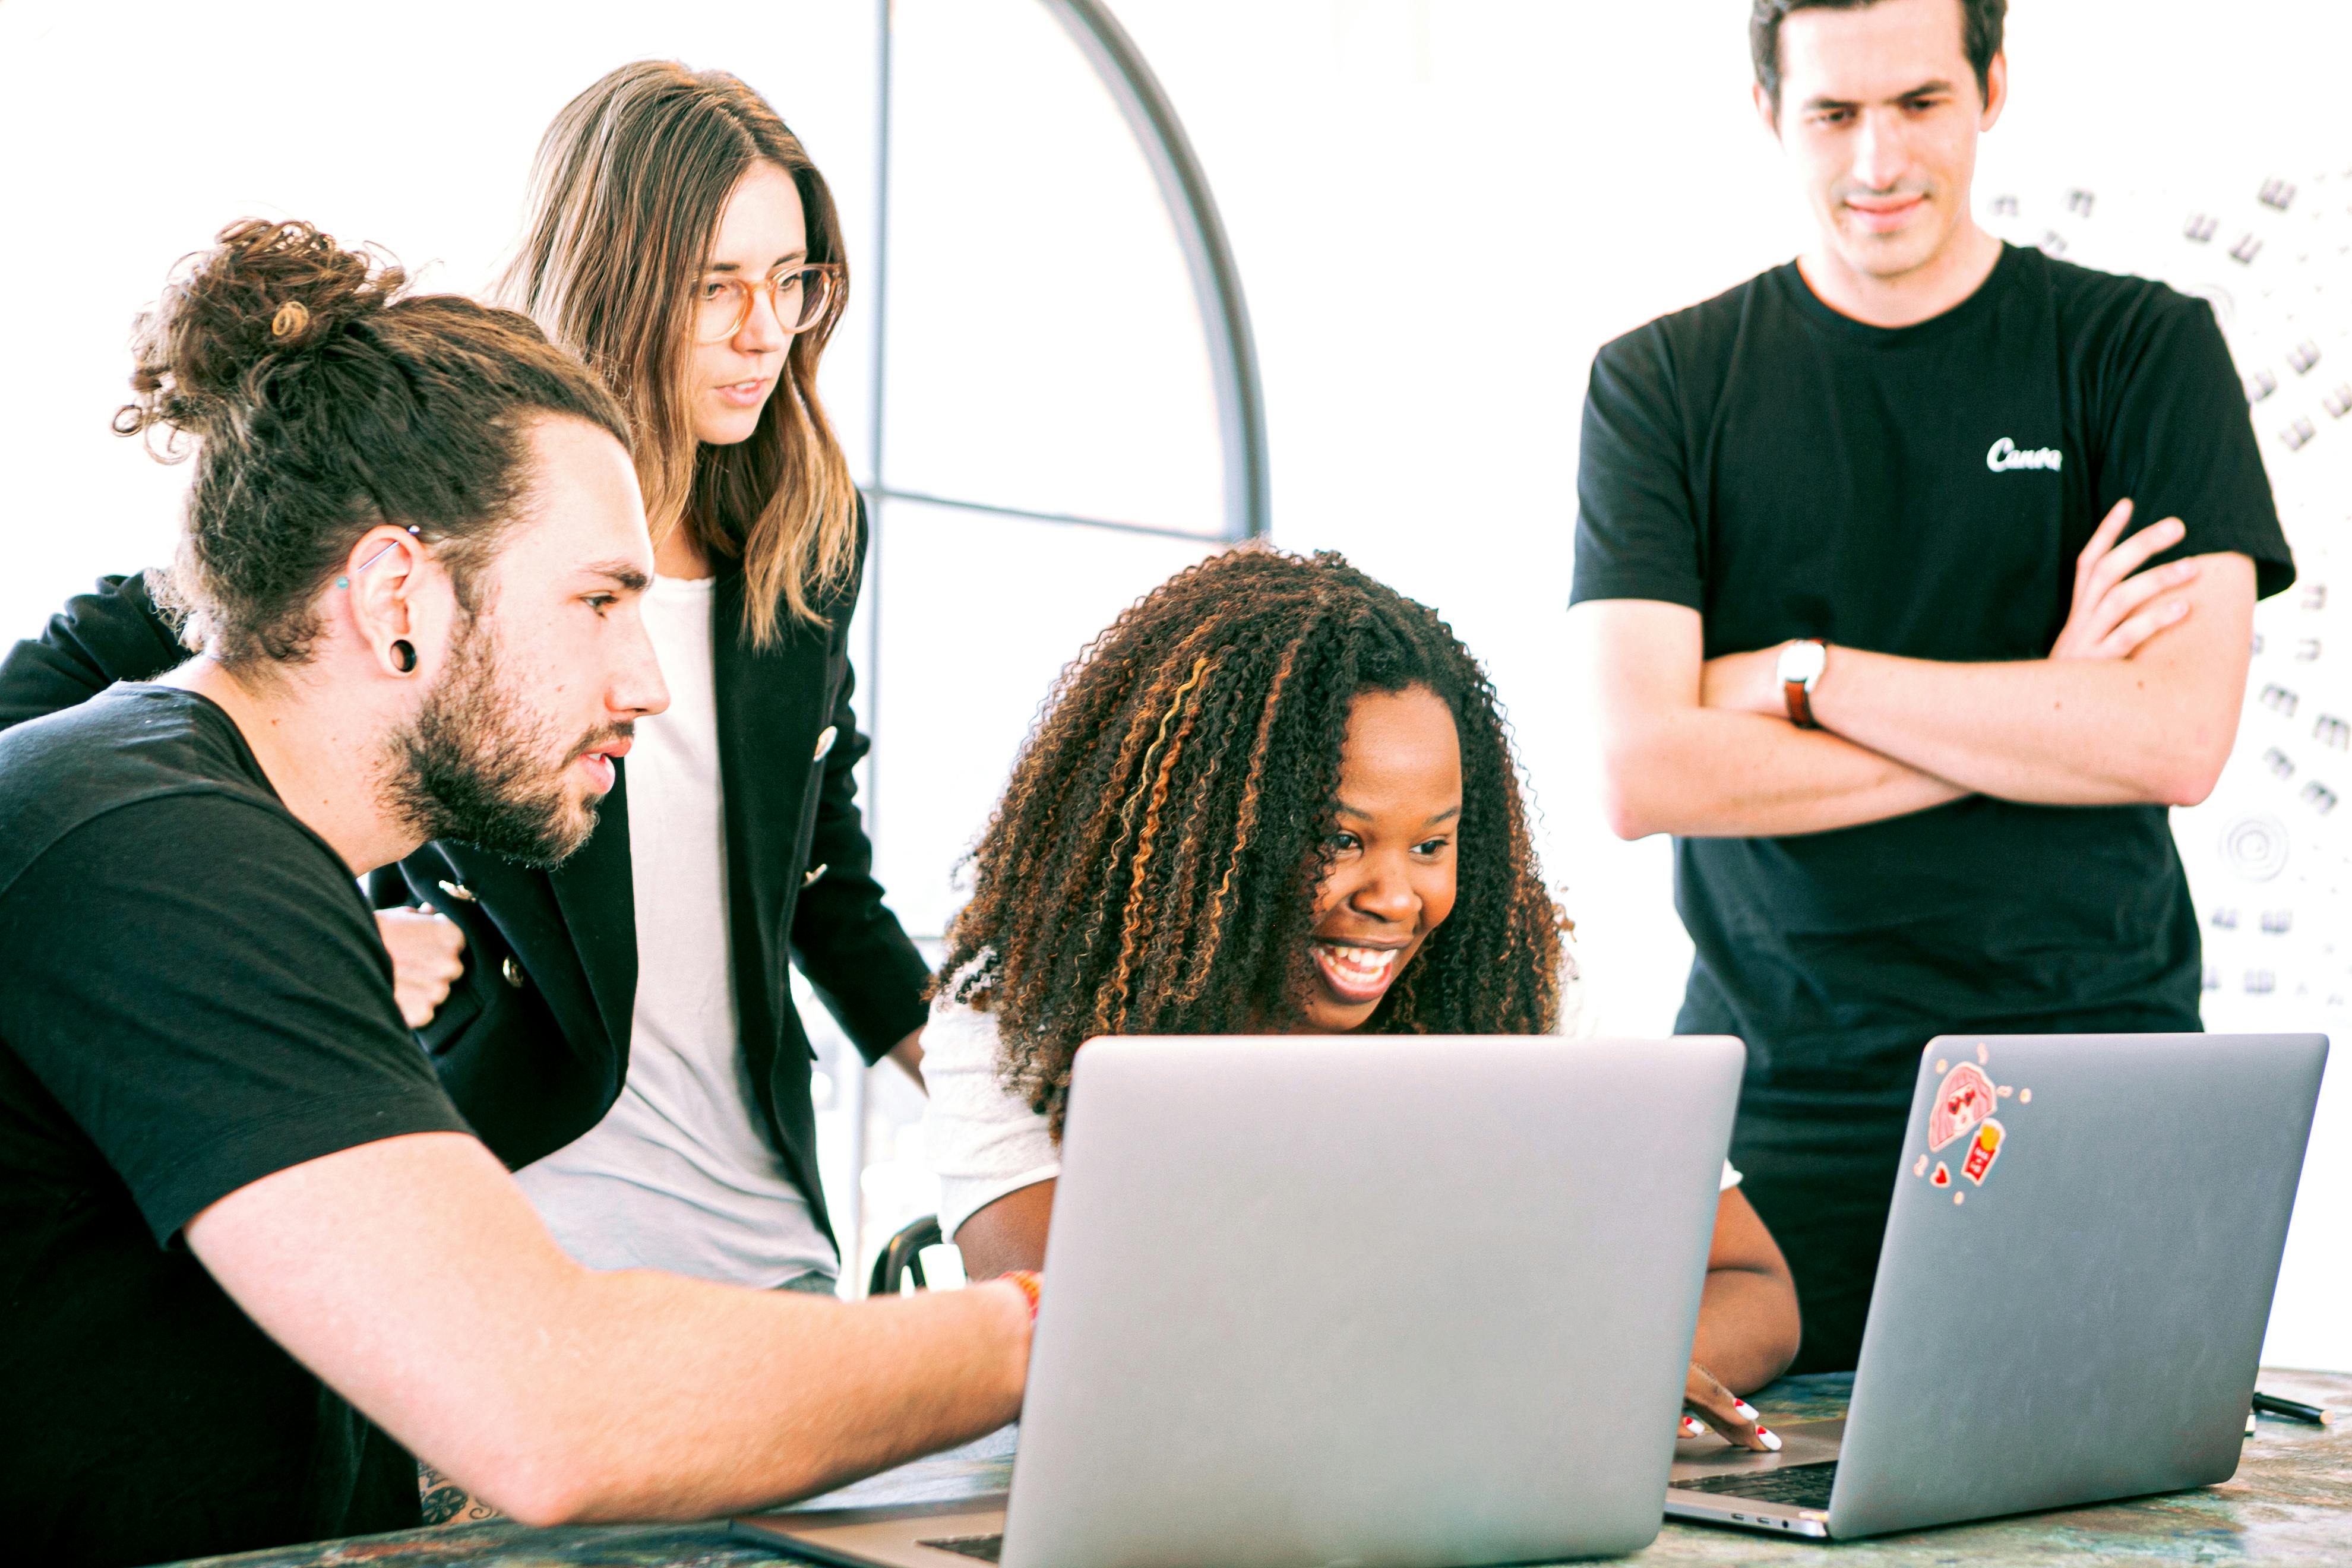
(1790, 472)
(192, 996)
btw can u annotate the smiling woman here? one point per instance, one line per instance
(1275, 796)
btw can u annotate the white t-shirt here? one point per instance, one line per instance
(983, 1141)
(678, 1175)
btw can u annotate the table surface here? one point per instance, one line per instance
(2290, 1503)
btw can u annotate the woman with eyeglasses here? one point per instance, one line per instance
(621, 1030)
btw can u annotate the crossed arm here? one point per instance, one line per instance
(2137, 703)
(413, 1277)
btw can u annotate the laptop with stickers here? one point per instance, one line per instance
(2072, 1295)
(1396, 1302)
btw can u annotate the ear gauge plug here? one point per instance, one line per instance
(404, 656)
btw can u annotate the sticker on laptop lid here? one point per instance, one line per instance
(1966, 1099)
(1919, 1166)
(1943, 1176)
(1983, 1149)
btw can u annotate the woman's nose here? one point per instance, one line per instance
(1386, 894)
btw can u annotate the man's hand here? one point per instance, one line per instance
(2117, 607)
(428, 955)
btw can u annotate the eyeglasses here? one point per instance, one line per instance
(799, 296)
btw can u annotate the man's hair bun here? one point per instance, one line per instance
(320, 400)
(264, 291)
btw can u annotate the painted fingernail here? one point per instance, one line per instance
(1747, 1411)
(1771, 1440)
(1694, 1428)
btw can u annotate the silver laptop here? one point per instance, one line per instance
(2072, 1292)
(1395, 1302)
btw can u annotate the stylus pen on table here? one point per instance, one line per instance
(2272, 1405)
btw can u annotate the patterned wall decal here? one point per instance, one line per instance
(2270, 855)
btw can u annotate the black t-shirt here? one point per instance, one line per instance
(192, 996)
(1790, 472)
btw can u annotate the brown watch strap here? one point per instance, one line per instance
(1797, 698)
(1801, 707)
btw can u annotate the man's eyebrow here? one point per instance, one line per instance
(1924, 89)
(625, 574)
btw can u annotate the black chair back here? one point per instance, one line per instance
(902, 1259)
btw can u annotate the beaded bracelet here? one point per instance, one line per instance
(1030, 1286)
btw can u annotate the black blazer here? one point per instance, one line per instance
(533, 1041)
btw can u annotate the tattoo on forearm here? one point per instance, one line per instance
(443, 1502)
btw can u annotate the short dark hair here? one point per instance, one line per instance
(1981, 25)
(323, 400)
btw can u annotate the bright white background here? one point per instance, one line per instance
(1440, 208)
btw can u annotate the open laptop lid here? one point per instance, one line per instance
(1395, 1301)
(2077, 1272)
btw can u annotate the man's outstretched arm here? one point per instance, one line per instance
(414, 1277)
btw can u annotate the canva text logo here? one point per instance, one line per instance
(2007, 455)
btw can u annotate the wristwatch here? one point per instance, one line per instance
(1801, 666)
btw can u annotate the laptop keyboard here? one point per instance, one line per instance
(987, 1548)
(1798, 1486)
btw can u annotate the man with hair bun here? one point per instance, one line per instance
(1916, 579)
(414, 554)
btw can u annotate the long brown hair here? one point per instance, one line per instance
(630, 181)
(1153, 868)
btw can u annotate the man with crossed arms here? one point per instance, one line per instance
(1862, 643)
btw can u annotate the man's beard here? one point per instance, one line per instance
(477, 766)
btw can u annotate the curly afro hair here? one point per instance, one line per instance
(1153, 868)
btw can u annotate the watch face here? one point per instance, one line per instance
(1802, 662)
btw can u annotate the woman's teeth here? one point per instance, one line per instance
(1360, 974)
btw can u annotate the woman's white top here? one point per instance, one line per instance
(678, 1175)
(983, 1141)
